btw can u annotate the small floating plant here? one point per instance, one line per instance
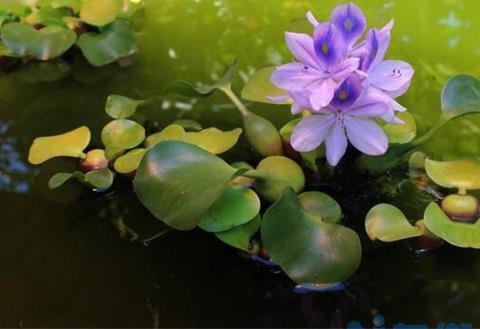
(32, 32)
(343, 93)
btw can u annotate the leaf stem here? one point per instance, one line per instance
(432, 131)
(227, 90)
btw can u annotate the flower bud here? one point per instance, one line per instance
(262, 135)
(461, 207)
(94, 159)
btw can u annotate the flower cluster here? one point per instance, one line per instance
(343, 83)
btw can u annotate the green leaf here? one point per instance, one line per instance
(236, 206)
(121, 107)
(262, 134)
(401, 133)
(462, 173)
(44, 44)
(464, 235)
(239, 237)
(460, 96)
(274, 174)
(130, 8)
(122, 134)
(178, 182)
(15, 7)
(259, 88)
(61, 178)
(49, 16)
(99, 12)
(306, 248)
(55, 4)
(129, 162)
(69, 144)
(100, 178)
(385, 162)
(387, 223)
(172, 132)
(116, 40)
(187, 89)
(188, 124)
(322, 205)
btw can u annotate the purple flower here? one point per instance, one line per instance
(347, 118)
(321, 65)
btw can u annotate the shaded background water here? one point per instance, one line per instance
(62, 264)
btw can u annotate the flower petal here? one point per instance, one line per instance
(370, 104)
(345, 68)
(351, 22)
(311, 18)
(336, 143)
(347, 93)
(323, 94)
(294, 76)
(329, 45)
(366, 135)
(375, 48)
(301, 100)
(311, 132)
(301, 46)
(391, 76)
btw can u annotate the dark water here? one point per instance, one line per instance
(62, 262)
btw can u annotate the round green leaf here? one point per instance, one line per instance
(122, 134)
(178, 182)
(462, 235)
(306, 248)
(274, 174)
(129, 162)
(99, 12)
(259, 88)
(236, 206)
(462, 173)
(100, 178)
(387, 223)
(460, 95)
(116, 40)
(121, 107)
(61, 178)
(401, 133)
(239, 237)
(188, 124)
(72, 4)
(44, 44)
(322, 205)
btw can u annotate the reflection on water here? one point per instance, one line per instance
(62, 263)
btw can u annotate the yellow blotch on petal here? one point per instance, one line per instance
(69, 144)
(325, 48)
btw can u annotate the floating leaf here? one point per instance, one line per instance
(322, 205)
(99, 12)
(401, 133)
(15, 7)
(43, 44)
(70, 144)
(213, 140)
(61, 178)
(116, 40)
(171, 132)
(262, 134)
(259, 88)
(236, 206)
(71, 4)
(130, 8)
(274, 174)
(100, 178)
(241, 180)
(178, 182)
(239, 237)
(460, 96)
(129, 162)
(462, 235)
(306, 248)
(122, 134)
(48, 16)
(462, 174)
(188, 124)
(121, 107)
(388, 223)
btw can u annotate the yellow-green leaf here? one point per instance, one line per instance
(259, 88)
(99, 12)
(69, 144)
(401, 133)
(172, 132)
(129, 162)
(214, 140)
(463, 173)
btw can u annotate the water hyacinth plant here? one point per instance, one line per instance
(275, 207)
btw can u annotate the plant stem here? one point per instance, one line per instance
(227, 90)
(440, 123)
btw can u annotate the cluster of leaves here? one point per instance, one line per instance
(42, 30)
